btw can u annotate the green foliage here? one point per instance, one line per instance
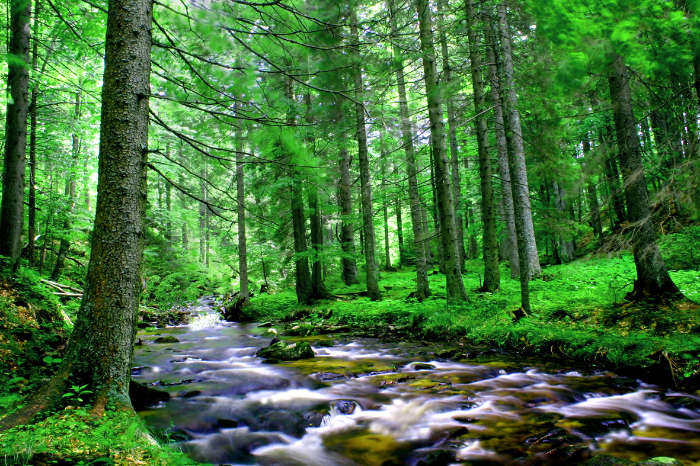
(577, 315)
(78, 437)
(76, 393)
(679, 250)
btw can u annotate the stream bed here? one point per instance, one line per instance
(368, 402)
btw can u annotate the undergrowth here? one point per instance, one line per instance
(579, 312)
(74, 436)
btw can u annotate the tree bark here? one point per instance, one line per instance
(12, 206)
(448, 234)
(399, 230)
(518, 168)
(301, 261)
(365, 180)
(612, 176)
(592, 191)
(98, 353)
(31, 217)
(449, 89)
(488, 212)
(244, 293)
(652, 277)
(203, 216)
(511, 239)
(420, 243)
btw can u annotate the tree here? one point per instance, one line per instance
(516, 152)
(502, 147)
(347, 230)
(240, 206)
(99, 351)
(12, 208)
(488, 211)
(652, 277)
(363, 157)
(445, 203)
(420, 238)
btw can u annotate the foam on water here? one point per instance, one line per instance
(206, 320)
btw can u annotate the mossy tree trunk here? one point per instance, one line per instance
(12, 206)
(99, 351)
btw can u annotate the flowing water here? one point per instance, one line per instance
(367, 402)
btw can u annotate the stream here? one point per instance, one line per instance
(362, 401)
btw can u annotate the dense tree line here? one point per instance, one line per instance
(252, 145)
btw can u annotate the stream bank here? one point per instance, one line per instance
(368, 401)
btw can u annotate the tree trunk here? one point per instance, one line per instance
(511, 240)
(347, 233)
(448, 234)
(183, 200)
(347, 230)
(399, 231)
(652, 277)
(203, 217)
(69, 192)
(318, 289)
(436, 216)
(98, 353)
(385, 204)
(420, 243)
(244, 293)
(101, 344)
(563, 244)
(12, 207)
(612, 176)
(518, 169)
(365, 180)
(449, 89)
(488, 212)
(301, 261)
(592, 192)
(31, 217)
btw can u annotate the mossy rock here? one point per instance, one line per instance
(283, 351)
(166, 339)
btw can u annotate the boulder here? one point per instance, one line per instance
(166, 339)
(142, 396)
(233, 309)
(283, 351)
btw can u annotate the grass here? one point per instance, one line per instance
(74, 436)
(578, 313)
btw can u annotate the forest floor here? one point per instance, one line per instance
(579, 315)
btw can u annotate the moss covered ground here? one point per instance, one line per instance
(34, 327)
(579, 313)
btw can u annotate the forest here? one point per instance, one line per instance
(350, 232)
